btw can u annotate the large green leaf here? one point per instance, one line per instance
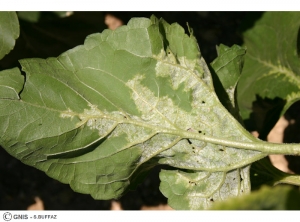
(9, 32)
(272, 66)
(101, 115)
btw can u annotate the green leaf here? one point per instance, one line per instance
(36, 16)
(30, 16)
(101, 115)
(227, 69)
(272, 67)
(228, 65)
(9, 32)
(267, 198)
(11, 83)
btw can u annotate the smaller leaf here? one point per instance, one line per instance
(11, 83)
(227, 69)
(190, 190)
(194, 190)
(267, 198)
(228, 65)
(9, 32)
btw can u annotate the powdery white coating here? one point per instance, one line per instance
(199, 191)
(236, 183)
(134, 134)
(179, 72)
(226, 185)
(110, 123)
(156, 144)
(159, 111)
(93, 118)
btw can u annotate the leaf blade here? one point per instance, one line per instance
(271, 59)
(9, 30)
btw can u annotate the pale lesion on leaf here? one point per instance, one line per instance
(68, 114)
(180, 69)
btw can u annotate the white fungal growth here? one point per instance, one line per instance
(93, 118)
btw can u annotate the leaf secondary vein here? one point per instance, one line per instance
(277, 69)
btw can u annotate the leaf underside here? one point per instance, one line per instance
(101, 115)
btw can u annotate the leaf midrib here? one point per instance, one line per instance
(261, 146)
